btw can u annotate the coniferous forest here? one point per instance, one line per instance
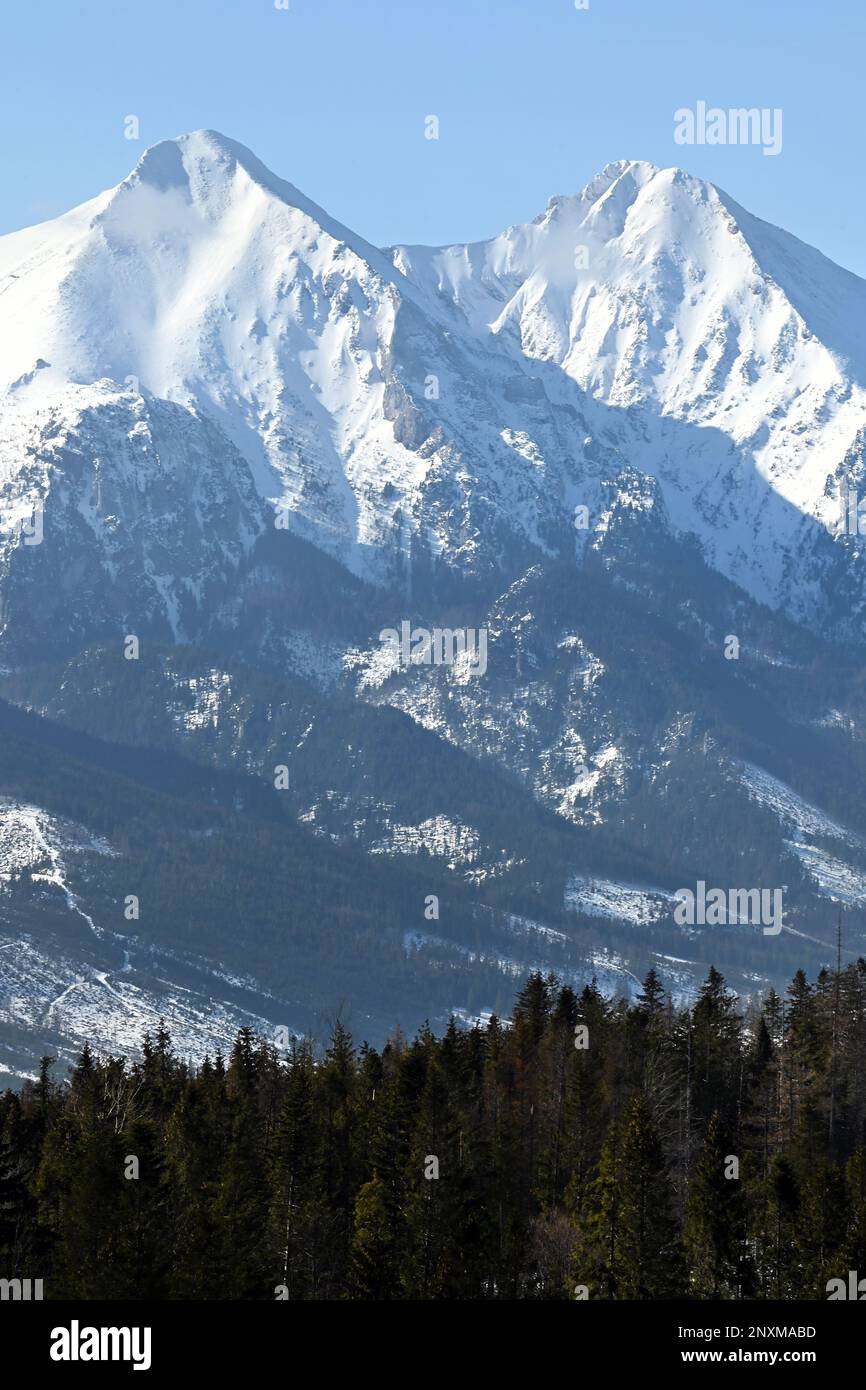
(584, 1148)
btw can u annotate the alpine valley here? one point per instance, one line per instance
(621, 441)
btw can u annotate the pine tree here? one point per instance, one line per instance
(240, 1206)
(648, 1256)
(374, 1268)
(297, 1217)
(714, 1237)
(630, 1248)
(717, 1052)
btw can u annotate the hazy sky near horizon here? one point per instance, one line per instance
(533, 97)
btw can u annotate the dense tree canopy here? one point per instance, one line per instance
(587, 1147)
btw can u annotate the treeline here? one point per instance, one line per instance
(587, 1147)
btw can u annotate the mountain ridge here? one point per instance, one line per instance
(391, 433)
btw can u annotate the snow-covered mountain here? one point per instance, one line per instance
(421, 412)
(362, 418)
(658, 294)
(610, 439)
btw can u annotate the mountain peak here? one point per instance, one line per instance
(202, 158)
(212, 172)
(640, 169)
(621, 184)
(636, 175)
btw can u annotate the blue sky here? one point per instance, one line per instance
(533, 97)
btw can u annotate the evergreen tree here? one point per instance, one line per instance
(373, 1264)
(714, 1237)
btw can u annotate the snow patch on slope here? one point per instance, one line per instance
(35, 846)
(836, 879)
(438, 835)
(620, 902)
(792, 809)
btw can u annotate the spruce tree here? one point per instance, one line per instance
(374, 1267)
(714, 1236)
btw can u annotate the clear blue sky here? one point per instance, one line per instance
(533, 97)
